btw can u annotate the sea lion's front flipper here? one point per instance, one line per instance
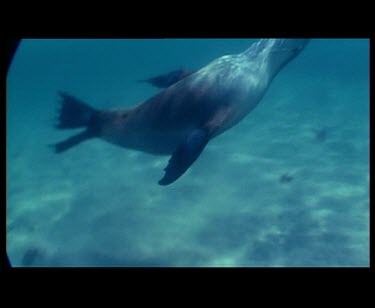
(166, 80)
(184, 156)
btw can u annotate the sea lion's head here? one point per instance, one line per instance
(276, 53)
(282, 51)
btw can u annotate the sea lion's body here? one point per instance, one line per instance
(203, 104)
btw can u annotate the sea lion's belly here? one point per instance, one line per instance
(152, 141)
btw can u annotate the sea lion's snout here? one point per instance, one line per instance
(301, 44)
(283, 51)
(290, 45)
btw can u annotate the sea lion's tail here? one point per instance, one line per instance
(74, 114)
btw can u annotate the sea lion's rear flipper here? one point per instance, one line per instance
(72, 141)
(184, 156)
(166, 80)
(74, 114)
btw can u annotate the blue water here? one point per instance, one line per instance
(288, 186)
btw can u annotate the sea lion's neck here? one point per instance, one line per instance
(274, 54)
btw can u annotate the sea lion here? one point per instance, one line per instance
(182, 118)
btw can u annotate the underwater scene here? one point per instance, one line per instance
(227, 165)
